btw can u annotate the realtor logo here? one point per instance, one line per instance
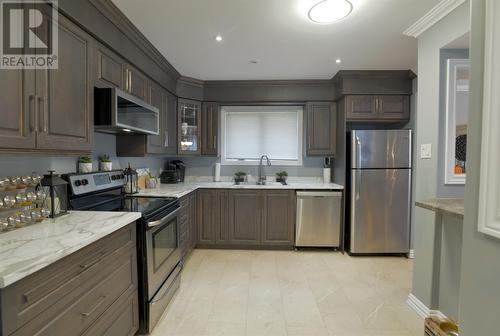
(28, 34)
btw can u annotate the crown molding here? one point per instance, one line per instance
(442, 9)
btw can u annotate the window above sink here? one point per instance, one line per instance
(247, 132)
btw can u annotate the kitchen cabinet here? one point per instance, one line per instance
(278, 217)
(110, 67)
(207, 216)
(17, 99)
(81, 292)
(321, 130)
(189, 127)
(209, 128)
(244, 216)
(187, 224)
(136, 83)
(51, 109)
(377, 108)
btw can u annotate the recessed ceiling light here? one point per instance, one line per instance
(127, 130)
(329, 11)
(338, 61)
(218, 38)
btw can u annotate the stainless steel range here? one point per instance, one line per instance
(159, 255)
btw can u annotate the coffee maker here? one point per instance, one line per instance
(174, 172)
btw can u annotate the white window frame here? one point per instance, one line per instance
(251, 162)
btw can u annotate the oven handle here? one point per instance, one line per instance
(164, 219)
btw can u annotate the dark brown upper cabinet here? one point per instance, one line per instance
(388, 108)
(158, 143)
(321, 129)
(189, 127)
(110, 67)
(209, 129)
(17, 101)
(136, 83)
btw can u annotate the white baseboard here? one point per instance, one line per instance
(421, 309)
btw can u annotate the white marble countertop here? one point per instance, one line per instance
(181, 189)
(27, 250)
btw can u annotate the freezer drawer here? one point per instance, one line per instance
(318, 219)
(380, 211)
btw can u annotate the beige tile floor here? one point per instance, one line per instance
(285, 293)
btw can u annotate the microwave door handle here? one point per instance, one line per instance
(164, 219)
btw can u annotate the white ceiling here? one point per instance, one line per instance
(277, 35)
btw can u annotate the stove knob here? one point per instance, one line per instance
(78, 183)
(122, 176)
(85, 182)
(113, 177)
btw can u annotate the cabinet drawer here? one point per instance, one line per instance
(64, 281)
(79, 313)
(121, 319)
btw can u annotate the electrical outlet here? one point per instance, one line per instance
(425, 151)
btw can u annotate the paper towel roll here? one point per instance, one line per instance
(326, 175)
(217, 172)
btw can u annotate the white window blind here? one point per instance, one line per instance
(251, 131)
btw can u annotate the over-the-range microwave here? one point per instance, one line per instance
(116, 111)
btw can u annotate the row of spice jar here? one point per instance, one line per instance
(22, 199)
(23, 219)
(19, 182)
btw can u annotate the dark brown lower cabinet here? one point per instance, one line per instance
(91, 292)
(245, 218)
(188, 221)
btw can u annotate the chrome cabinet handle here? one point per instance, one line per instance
(31, 114)
(100, 302)
(358, 145)
(41, 109)
(166, 139)
(215, 142)
(381, 105)
(376, 104)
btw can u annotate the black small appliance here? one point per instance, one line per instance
(174, 173)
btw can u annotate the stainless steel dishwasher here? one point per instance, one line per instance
(318, 218)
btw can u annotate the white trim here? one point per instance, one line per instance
(421, 309)
(489, 183)
(411, 254)
(450, 125)
(439, 11)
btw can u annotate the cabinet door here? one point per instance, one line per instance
(171, 124)
(206, 216)
(193, 228)
(157, 143)
(189, 130)
(394, 107)
(222, 218)
(362, 107)
(136, 83)
(209, 129)
(321, 129)
(65, 95)
(17, 101)
(110, 67)
(278, 218)
(244, 217)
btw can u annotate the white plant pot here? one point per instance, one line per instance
(85, 167)
(106, 166)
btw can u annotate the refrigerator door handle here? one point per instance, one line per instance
(358, 150)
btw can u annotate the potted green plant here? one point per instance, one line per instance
(105, 163)
(239, 177)
(281, 177)
(85, 164)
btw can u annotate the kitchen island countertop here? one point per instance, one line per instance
(26, 250)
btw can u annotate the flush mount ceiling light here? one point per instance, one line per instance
(218, 38)
(329, 11)
(338, 61)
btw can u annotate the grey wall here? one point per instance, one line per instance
(480, 278)
(106, 144)
(427, 127)
(446, 191)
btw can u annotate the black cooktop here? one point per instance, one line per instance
(148, 206)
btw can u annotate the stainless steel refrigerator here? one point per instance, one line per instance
(380, 191)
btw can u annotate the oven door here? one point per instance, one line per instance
(162, 249)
